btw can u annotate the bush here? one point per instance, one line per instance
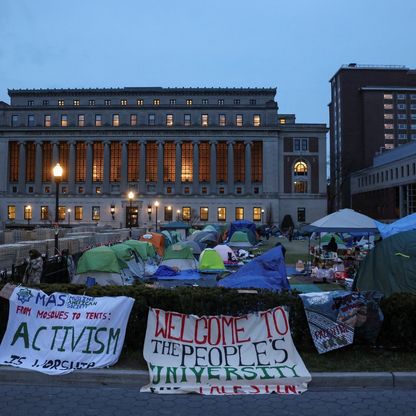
(398, 330)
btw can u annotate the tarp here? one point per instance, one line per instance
(210, 262)
(267, 271)
(249, 354)
(407, 223)
(344, 220)
(99, 259)
(390, 267)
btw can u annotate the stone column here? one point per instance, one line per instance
(142, 168)
(22, 167)
(213, 162)
(72, 167)
(247, 173)
(195, 168)
(106, 170)
(88, 181)
(178, 168)
(159, 185)
(38, 168)
(230, 168)
(124, 180)
(55, 153)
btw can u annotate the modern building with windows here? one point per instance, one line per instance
(209, 155)
(373, 108)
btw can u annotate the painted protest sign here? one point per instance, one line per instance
(59, 333)
(334, 318)
(249, 354)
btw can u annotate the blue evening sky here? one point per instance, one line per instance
(294, 45)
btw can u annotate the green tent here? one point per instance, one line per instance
(99, 259)
(210, 262)
(123, 252)
(325, 239)
(210, 228)
(143, 249)
(178, 251)
(240, 239)
(390, 267)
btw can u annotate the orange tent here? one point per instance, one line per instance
(157, 240)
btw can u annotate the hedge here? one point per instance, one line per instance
(398, 330)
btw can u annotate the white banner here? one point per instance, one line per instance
(59, 333)
(249, 354)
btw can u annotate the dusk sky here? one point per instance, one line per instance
(294, 45)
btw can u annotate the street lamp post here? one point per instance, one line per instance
(262, 216)
(131, 196)
(156, 207)
(57, 174)
(69, 216)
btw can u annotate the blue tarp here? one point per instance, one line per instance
(267, 271)
(403, 224)
(241, 225)
(181, 275)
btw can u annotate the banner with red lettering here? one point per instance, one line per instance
(59, 333)
(249, 354)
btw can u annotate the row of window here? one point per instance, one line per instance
(399, 106)
(140, 102)
(388, 174)
(399, 96)
(186, 213)
(400, 126)
(151, 120)
(400, 116)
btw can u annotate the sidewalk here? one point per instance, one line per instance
(138, 378)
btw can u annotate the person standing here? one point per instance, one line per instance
(34, 269)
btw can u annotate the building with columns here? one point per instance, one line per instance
(209, 155)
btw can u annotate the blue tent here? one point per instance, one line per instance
(241, 225)
(267, 271)
(403, 224)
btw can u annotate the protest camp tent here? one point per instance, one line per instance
(179, 256)
(157, 240)
(195, 246)
(239, 239)
(226, 253)
(207, 237)
(390, 267)
(144, 249)
(102, 265)
(407, 223)
(210, 262)
(241, 225)
(128, 260)
(267, 271)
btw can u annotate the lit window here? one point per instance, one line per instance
(222, 120)
(188, 101)
(203, 213)
(156, 101)
(96, 213)
(300, 168)
(27, 213)
(256, 120)
(79, 213)
(389, 116)
(388, 96)
(221, 214)
(187, 120)
(388, 126)
(61, 103)
(140, 101)
(239, 213)
(239, 120)
(116, 120)
(282, 121)
(81, 120)
(64, 120)
(76, 103)
(11, 212)
(151, 120)
(91, 102)
(98, 189)
(172, 101)
(107, 102)
(61, 213)
(133, 119)
(47, 121)
(169, 120)
(388, 106)
(168, 213)
(220, 101)
(256, 214)
(186, 213)
(44, 213)
(389, 136)
(123, 102)
(98, 120)
(204, 120)
(300, 187)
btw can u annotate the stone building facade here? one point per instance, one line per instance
(209, 155)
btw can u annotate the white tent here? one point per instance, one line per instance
(344, 221)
